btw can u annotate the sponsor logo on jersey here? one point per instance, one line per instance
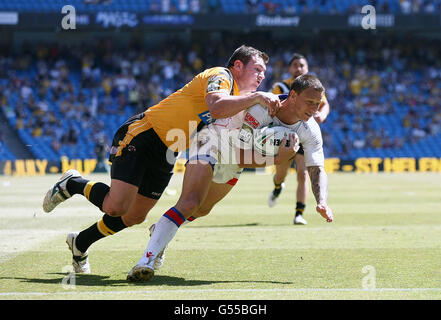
(222, 81)
(218, 83)
(206, 117)
(245, 134)
(251, 120)
(214, 83)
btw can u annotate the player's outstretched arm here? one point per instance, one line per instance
(319, 186)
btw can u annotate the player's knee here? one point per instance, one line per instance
(280, 175)
(301, 176)
(189, 205)
(116, 209)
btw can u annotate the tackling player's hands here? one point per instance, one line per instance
(270, 101)
(325, 211)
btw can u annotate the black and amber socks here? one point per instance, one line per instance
(277, 188)
(300, 207)
(107, 226)
(95, 192)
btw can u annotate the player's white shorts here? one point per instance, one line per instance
(211, 146)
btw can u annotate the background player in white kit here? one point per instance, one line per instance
(210, 146)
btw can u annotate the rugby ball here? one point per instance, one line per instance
(268, 139)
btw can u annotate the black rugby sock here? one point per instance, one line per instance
(95, 192)
(107, 226)
(76, 185)
(300, 207)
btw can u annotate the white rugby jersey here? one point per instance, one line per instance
(219, 139)
(309, 133)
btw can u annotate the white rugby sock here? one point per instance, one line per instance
(165, 230)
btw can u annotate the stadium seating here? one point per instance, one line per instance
(349, 132)
(228, 6)
(5, 153)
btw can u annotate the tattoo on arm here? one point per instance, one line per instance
(319, 183)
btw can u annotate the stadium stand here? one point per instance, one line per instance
(5, 153)
(227, 6)
(63, 100)
(384, 94)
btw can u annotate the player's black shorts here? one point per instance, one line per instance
(143, 162)
(301, 151)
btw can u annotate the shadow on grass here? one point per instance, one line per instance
(99, 280)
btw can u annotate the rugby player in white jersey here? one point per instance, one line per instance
(213, 143)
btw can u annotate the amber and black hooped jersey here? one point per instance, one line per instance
(185, 110)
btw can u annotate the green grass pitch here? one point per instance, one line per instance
(385, 243)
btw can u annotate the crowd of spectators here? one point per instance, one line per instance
(1, 142)
(288, 6)
(367, 81)
(46, 85)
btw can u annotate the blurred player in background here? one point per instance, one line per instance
(298, 65)
(144, 148)
(101, 152)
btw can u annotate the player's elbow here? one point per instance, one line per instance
(217, 113)
(214, 104)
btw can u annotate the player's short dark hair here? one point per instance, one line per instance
(297, 56)
(306, 81)
(245, 53)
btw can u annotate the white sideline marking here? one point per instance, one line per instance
(3, 294)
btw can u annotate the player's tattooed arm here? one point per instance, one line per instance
(319, 183)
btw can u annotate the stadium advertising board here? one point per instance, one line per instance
(140, 20)
(277, 21)
(381, 20)
(38, 167)
(372, 165)
(116, 19)
(8, 18)
(173, 20)
(35, 167)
